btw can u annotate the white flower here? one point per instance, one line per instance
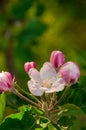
(47, 80)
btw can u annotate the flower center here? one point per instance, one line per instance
(47, 83)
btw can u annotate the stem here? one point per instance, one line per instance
(27, 93)
(25, 98)
(62, 97)
(52, 100)
(47, 99)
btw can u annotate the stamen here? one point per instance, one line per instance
(47, 83)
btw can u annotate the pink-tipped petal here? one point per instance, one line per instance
(57, 58)
(70, 72)
(9, 76)
(29, 65)
(3, 87)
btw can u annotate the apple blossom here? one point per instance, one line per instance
(29, 65)
(6, 81)
(70, 72)
(57, 58)
(47, 80)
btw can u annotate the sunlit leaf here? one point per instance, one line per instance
(51, 127)
(21, 121)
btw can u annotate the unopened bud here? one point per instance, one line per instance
(29, 65)
(70, 72)
(6, 81)
(57, 58)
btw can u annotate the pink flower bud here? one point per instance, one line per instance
(29, 65)
(70, 72)
(6, 81)
(57, 58)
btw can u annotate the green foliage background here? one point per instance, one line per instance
(31, 29)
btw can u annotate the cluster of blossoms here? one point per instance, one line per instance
(54, 76)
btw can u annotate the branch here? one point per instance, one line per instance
(25, 98)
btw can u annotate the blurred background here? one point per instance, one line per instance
(31, 29)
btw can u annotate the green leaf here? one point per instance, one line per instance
(39, 129)
(82, 81)
(35, 110)
(51, 127)
(44, 122)
(73, 110)
(2, 105)
(76, 125)
(19, 121)
(70, 116)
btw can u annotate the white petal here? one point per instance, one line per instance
(57, 86)
(35, 75)
(35, 88)
(47, 71)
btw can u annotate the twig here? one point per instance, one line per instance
(25, 98)
(60, 99)
(27, 93)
